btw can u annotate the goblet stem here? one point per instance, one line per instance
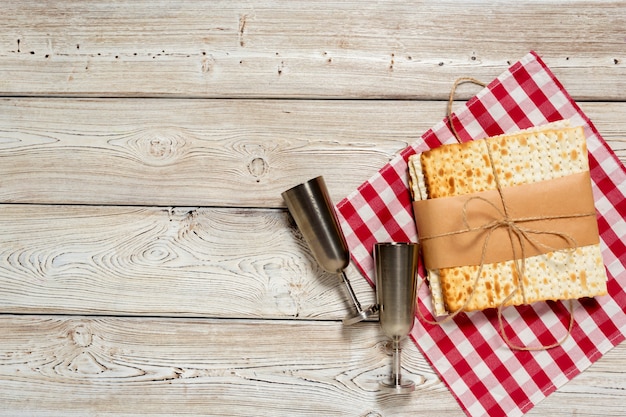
(396, 374)
(395, 382)
(351, 293)
(371, 314)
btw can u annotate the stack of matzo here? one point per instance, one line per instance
(531, 156)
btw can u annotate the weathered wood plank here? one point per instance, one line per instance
(161, 261)
(146, 366)
(194, 152)
(391, 49)
(86, 366)
(240, 153)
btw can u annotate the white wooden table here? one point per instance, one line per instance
(147, 263)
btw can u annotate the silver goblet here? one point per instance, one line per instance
(396, 285)
(313, 212)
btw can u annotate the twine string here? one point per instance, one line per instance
(458, 82)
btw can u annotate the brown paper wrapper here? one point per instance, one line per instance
(555, 214)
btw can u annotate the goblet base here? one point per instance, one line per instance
(369, 314)
(402, 386)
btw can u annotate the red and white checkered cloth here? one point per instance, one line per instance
(485, 376)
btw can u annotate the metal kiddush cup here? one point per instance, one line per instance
(313, 211)
(396, 285)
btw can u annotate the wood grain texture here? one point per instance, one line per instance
(150, 366)
(330, 49)
(165, 262)
(194, 152)
(240, 153)
(110, 366)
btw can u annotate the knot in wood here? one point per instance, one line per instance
(258, 167)
(157, 146)
(82, 336)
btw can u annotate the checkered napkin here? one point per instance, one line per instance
(485, 376)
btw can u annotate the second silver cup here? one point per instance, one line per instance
(396, 287)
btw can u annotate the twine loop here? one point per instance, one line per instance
(458, 82)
